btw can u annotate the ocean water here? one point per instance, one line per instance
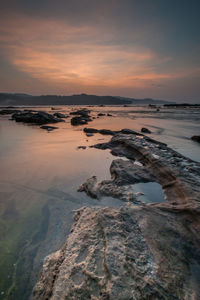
(40, 174)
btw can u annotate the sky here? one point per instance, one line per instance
(130, 48)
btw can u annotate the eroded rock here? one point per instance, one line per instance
(147, 252)
(143, 251)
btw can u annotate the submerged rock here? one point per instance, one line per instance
(48, 128)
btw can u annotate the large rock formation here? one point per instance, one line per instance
(147, 252)
(140, 251)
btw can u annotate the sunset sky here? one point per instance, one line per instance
(131, 48)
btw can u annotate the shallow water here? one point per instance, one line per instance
(151, 192)
(40, 173)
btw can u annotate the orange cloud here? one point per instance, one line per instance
(60, 54)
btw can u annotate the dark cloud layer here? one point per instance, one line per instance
(133, 48)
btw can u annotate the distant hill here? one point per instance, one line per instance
(7, 99)
(146, 101)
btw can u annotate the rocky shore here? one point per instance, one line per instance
(141, 250)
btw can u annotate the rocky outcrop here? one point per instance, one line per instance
(179, 176)
(141, 250)
(148, 252)
(38, 118)
(124, 173)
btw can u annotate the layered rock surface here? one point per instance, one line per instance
(142, 251)
(128, 253)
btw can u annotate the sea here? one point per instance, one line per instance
(40, 173)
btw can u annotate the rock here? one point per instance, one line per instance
(48, 128)
(106, 132)
(83, 117)
(90, 130)
(9, 111)
(78, 121)
(39, 118)
(89, 134)
(100, 115)
(146, 252)
(111, 132)
(130, 131)
(81, 147)
(60, 115)
(145, 130)
(143, 251)
(109, 115)
(89, 187)
(123, 173)
(178, 184)
(82, 112)
(196, 138)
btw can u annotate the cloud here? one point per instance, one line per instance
(87, 56)
(59, 52)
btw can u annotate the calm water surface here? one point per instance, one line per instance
(40, 173)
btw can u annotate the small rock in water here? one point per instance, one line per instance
(90, 130)
(59, 115)
(145, 130)
(196, 138)
(78, 121)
